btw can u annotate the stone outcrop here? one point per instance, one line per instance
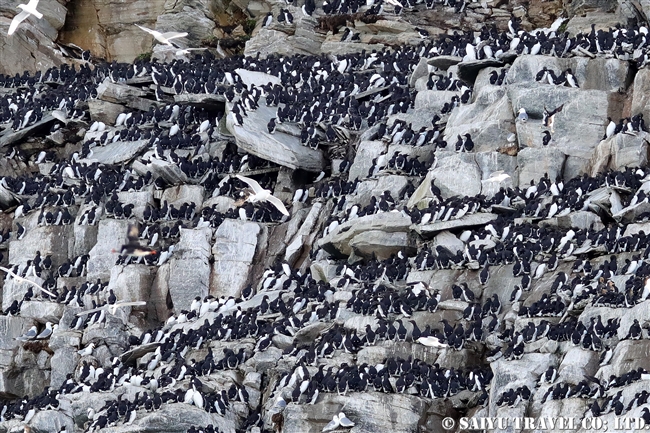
(479, 272)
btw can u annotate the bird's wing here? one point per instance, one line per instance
(152, 32)
(32, 4)
(251, 182)
(557, 110)
(172, 35)
(22, 16)
(113, 308)
(94, 310)
(346, 422)
(278, 203)
(332, 425)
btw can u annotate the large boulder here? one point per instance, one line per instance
(281, 148)
(591, 74)
(233, 249)
(111, 235)
(582, 120)
(370, 411)
(189, 267)
(620, 151)
(383, 233)
(457, 174)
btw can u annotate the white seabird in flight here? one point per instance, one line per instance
(164, 38)
(261, 194)
(28, 9)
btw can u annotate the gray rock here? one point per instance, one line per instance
(8, 136)
(477, 219)
(384, 223)
(140, 200)
(581, 220)
(298, 244)
(170, 172)
(178, 195)
(620, 151)
(42, 311)
(11, 328)
(420, 71)
(118, 152)
(62, 339)
(201, 99)
(63, 362)
(131, 283)
(304, 39)
(576, 364)
(489, 120)
(374, 355)
(380, 243)
(534, 163)
(581, 120)
(104, 111)
(235, 243)
(515, 373)
(366, 152)
(444, 62)
(15, 291)
(192, 20)
(32, 47)
(591, 74)
(376, 187)
(641, 94)
(457, 175)
(55, 240)
(85, 238)
(51, 420)
(582, 6)
(279, 147)
(117, 93)
(467, 71)
(111, 235)
(189, 268)
(433, 99)
(369, 411)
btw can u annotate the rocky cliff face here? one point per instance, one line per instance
(466, 236)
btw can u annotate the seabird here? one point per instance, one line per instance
(431, 341)
(522, 116)
(28, 9)
(163, 38)
(549, 116)
(344, 421)
(47, 332)
(87, 351)
(332, 425)
(133, 248)
(261, 194)
(29, 335)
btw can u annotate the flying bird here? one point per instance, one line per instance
(133, 248)
(112, 308)
(164, 38)
(261, 194)
(186, 51)
(549, 116)
(431, 341)
(28, 9)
